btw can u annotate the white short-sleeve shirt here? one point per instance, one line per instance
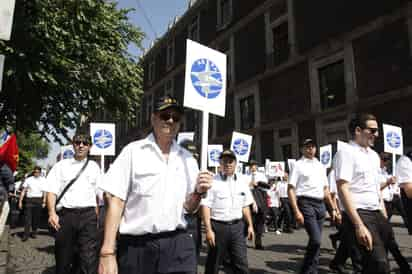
(274, 195)
(283, 189)
(82, 193)
(404, 170)
(332, 182)
(388, 191)
(360, 167)
(309, 178)
(154, 190)
(34, 186)
(227, 198)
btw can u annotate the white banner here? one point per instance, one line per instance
(6, 18)
(103, 138)
(325, 155)
(276, 169)
(182, 136)
(393, 140)
(66, 152)
(213, 152)
(205, 79)
(241, 145)
(1, 70)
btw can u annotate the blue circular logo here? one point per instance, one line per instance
(206, 78)
(3, 138)
(393, 139)
(214, 155)
(102, 138)
(240, 146)
(325, 157)
(68, 153)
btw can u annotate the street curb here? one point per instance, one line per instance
(4, 250)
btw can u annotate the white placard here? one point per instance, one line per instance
(205, 79)
(6, 18)
(239, 168)
(182, 136)
(241, 145)
(276, 169)
(393, 139)
(213, 152)
(103, 138)
(325, 155)
(66, 152)
(1, 70)
(291, 164)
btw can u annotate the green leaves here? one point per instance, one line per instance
(67, 59)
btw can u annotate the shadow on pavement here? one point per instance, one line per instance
(49, 270)
(48, 249)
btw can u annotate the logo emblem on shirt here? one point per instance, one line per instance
(325, 157)
(102, 138)
(206, 78)
(393, 139)
(240, 146)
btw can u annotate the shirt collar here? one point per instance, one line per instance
(151, 141)
(314, 159)
(360, 148)
(74, 161)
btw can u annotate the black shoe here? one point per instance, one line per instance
(259, 247)
(334, 241)
(25, 238)
(33, 235)
(336, 268)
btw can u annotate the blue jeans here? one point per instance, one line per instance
(313, 211)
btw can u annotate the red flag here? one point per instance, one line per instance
(9, 153)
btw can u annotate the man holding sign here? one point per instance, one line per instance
(149, 188)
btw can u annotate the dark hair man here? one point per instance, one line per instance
(223, 210)
(75, 219)
(357, 176)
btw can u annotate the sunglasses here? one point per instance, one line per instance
(372, 130)
(165, 116)
(78, 143)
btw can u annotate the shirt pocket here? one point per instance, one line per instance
(222, 200)
(239, 200)
(145, 180)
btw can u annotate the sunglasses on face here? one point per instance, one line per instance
(78, 143)
(165, 116)
(372, 130)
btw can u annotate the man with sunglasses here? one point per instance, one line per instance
(223, 210)
(149, 188)
(357, 175)
(34, 201)
(75, 219)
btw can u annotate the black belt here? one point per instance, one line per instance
(77, 210)
(227, 222)
(152, 236)
(316, 200)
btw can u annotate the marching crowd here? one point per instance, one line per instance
(145, 214)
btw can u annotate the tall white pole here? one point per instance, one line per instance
(205, 140)
(393, 164)
(102, 163)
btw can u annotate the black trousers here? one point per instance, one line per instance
(274, 217)
(32, 215)
(166, 252)
(376, 260)
(407, 205)
(77, 234)
(229, 240)
(396, 203)
(286, 215)
(313, 212)
(194, 226)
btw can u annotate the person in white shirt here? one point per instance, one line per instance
(34, 199)
(286, 217)
(274, 205)
(357, 177)
(227, 203)
(73, 214)
(404, 176)
(149, 188)
(258, 184)
(308, 188)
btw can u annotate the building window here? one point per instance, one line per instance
(169, 87)
(287, 152)
(332, 85)
(280, 43)
(193, 29)
(247, 112)
(151, 74)
(170, 54)
(224, 13)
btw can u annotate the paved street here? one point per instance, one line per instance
(283, 254)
